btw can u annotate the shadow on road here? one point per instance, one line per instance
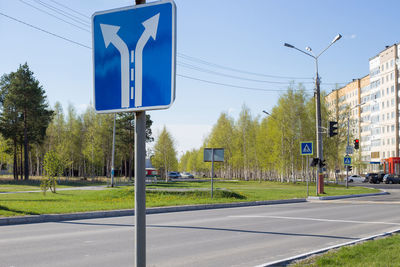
(215, 229)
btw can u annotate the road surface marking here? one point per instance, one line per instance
(311, 219)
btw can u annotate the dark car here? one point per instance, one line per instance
(391, 179)
(371, 177)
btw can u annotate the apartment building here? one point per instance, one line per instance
(372, 105)
(345, 105)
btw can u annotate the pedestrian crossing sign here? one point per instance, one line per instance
(306, 148)
(347, 161)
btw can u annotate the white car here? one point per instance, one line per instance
(355, 178)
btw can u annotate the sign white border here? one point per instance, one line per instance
(173, 63)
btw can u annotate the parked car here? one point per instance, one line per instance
(356, 179)
(174, 175)
(371, 177)
(187, 175)
(391, 179)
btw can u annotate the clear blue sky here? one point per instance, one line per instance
(245, 35)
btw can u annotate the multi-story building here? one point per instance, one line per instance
(372, 105)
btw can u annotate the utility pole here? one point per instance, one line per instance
(320, 177)
(348, 143)
(320, 154)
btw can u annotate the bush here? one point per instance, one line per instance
(53, 167)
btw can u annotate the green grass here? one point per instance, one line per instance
(123, 197)
(11, 185)
(381, 252)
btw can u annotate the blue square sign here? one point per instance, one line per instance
(306, 148)
(134, 57)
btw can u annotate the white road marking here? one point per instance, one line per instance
(311, 219)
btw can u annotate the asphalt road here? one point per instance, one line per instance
(247, 236)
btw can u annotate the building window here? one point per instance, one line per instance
(392, 89)
(393, 141)
(392, 102)
(387, 65)
(383, 92)
(383, 154)
(383, 67)
(393, 128)
(383, 104)
(392, 114)
(391, 63)
(387, 90)
(383, 80)
(391, 76)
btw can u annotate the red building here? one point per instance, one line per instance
(392, 165)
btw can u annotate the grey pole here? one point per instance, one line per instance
(140, 189)
(348, 140)
(320, 179)
(112, 156)
(212, 172)
(140, 185)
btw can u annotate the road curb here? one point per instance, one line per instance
(347, 196)
(290, 260)
(129, 212)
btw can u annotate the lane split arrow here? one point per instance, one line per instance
(110, 36)
(150, 30)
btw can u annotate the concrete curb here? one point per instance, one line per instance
(130, 212)
(347, 196)
(290, 260)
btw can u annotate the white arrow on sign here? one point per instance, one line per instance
(110, 36)
(150, 30)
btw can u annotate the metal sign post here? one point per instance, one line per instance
(307, 149)
(134, 60)
(112, 156)
(212, 155)
(140, 188)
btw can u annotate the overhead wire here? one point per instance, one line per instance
(64, 6)
(183, 64)
(54, 16)
(42, 30)
(63, 13)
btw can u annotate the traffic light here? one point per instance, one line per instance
(314, 162)
(333, 128)
(349, 168)
(322, 164)
(356, 144)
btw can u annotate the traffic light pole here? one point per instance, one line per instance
(320, 180)
(348, 143)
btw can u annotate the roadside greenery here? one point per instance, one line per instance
(158, 195)
(268, 147)
(164, 158)
(380, 252)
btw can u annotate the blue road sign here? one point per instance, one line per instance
(306, 148)
(134, 56)
(347, 161)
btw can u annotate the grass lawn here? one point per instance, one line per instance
(380, 252)
(9, 185)
(123, 197)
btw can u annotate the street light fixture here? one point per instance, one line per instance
(320, 181)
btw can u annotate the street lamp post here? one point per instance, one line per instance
(320, 181)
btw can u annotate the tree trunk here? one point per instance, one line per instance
(26, 146)
(15, 167)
